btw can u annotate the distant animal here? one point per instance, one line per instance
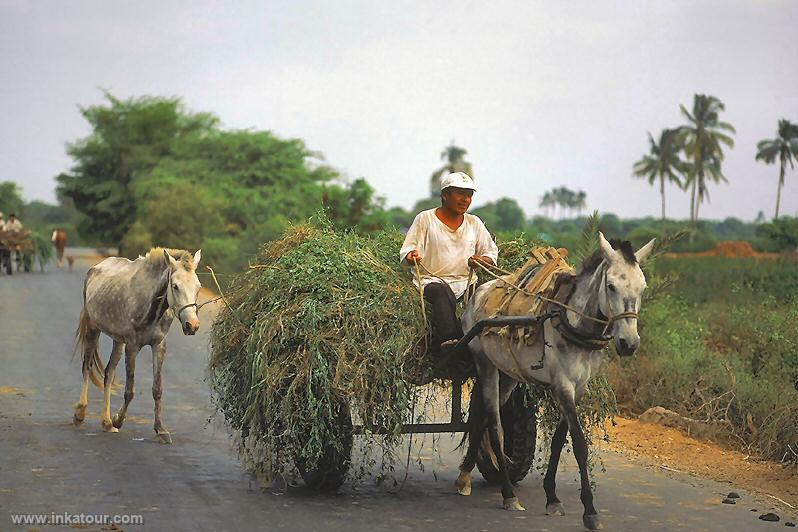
(134, 302)
(604, 306)
(59, 241)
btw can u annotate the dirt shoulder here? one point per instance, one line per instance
(670, 448)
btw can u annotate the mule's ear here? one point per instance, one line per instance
(642, 254)
(197, 257)
(170, 260)
(606, 248)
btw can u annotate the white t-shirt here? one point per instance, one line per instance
(445, 251)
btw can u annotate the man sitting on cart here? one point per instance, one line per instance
(445, 243)
(13, 225)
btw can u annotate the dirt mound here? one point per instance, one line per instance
(731, 249)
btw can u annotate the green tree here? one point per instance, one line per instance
(355, 207)
(128, 139)
(10, 198)
(662, 163)
(503, 215)
(784, 148)
(702, 139)
(783, 232)
(454, 157)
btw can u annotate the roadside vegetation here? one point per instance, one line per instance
(721, 346)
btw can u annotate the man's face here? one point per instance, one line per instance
(457, 199)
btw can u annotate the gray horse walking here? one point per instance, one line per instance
(134, 302)
(606, 297)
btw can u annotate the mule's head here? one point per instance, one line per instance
(183, 289)
(621, 291)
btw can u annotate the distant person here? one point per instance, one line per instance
(446, 243)
(60, 241)
(13, 224)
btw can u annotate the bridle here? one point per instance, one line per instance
(580, 338)
(171, 307)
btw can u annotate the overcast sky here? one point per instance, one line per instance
(542, 94)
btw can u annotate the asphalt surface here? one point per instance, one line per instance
(48, 466)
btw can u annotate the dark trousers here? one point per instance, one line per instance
(441, 311)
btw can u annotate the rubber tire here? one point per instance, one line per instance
(520, 434)
(331, 468)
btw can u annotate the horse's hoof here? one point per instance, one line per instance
(513, 505)
(164, 437)
(463, 484)
(109, 427)
(592, 522)
(554, 508)
(78, 418)
(117, 421)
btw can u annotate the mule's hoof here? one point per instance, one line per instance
(592, 522)
(78, 419)
(554, 508)
(463, 484)
(117, 421)
(109, 427)
(164, 437)
(513, 505)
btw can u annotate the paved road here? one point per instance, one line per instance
(48, 465)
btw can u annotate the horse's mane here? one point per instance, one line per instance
(156, 257)
(592, 262)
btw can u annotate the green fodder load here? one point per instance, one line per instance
(322, 318)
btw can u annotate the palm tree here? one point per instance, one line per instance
(662, 162)
(546, 203)
(785, 147)
(579, 202)
(702, 139)
(455, 162)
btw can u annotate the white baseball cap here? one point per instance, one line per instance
(459, 180)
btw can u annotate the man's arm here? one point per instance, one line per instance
(486, 250)
(413, 247)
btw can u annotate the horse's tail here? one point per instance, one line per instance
(91, 359)
(476, 425)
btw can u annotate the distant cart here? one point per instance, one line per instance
(17, 243)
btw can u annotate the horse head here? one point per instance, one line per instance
(621, 292)
(183, 289)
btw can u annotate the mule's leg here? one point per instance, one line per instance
(110, 370)
(158, 356)
(130, 371)
(489, 376)
(476, 428)
(553, 504)
(89, 345)
(590, 518)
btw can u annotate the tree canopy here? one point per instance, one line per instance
(152, 172)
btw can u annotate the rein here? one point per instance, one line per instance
(607, 323)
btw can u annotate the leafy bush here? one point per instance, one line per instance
(736, 365)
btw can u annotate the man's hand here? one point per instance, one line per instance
(413, 257)
(473, 260)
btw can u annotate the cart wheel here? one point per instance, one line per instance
(330, 470)
(520, 432)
